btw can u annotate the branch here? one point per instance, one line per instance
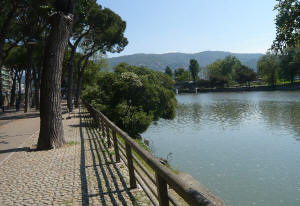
(80, 37)
(70, 44)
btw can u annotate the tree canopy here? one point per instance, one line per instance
(287, 24)
(169, 71)
(182, 75)
(194, 69)
(268, 68)
(223, 71)
(133, 97)
(244, 75)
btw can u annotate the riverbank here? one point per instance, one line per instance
(195, 89)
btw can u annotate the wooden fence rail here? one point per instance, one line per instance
(154, 183)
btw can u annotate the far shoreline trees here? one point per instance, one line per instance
(221, 73)
(273, 68)
(194, 69)
(268, 68)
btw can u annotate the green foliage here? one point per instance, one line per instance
(103, 30)
(203, 83)
(268, 68)
(133, 97)
(93, 71)
(223, 72)
(169, 71)
(182, 75)
(287, 24)
(194, 69)
(215, 74)
(290, 63)
(229, 65)
(18, 58)
(244, 75)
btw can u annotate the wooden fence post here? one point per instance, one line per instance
(116, 146)
(162, 190)
(108, 136)
(103, 128)
(130, 166)
(99, 123)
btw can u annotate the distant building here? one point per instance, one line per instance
(6, 83)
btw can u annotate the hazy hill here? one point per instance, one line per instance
(176, 60)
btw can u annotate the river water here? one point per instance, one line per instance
(244, 147)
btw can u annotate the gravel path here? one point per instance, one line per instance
(81, 173)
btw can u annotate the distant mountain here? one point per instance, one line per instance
(159, 62)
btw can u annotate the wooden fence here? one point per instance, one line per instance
(152, 175)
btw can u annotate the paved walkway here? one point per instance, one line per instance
(81, 173)
(15, 128)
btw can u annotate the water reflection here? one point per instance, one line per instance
(232, 113)
(240, 145)
(283, 115)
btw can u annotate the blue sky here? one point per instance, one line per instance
(190, 26)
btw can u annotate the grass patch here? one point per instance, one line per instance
(142, 144)
(139, 141)
(71, 143)
(68, 202)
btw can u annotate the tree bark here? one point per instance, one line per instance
(13, 91)
(19, 98)
(71, 79)
(36, 82)
(27, 89)
(80, 76)
(72, 68)
(51, 128)
(78, 91)
(19, 78)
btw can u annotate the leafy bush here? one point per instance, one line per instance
(133, 97)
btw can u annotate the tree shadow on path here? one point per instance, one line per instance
(111, 185)
(26, 149)
(22, 116)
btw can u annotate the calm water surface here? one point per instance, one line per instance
(245, 147)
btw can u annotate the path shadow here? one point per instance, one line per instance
(9, 111)
(106, 169)
(84, 186)
(3, 142)
(27, 149)
(22, 116)
(82, 124)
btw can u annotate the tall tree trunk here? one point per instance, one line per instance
(19, 98)
(19, 77)
(51, 128)
(72, 68)
(36, 82)
(27, 89)
(78, 90)
(81, 69)
(1, 97)
(71, 79)
(13, 91)
(20, 90)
